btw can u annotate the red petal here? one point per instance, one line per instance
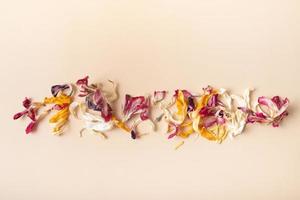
(31, 114)
(83, 81)
(27, 103)
(18, 115)
(30, 128)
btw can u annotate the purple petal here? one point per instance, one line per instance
(58, 88)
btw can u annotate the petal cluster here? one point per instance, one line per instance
(212, 113)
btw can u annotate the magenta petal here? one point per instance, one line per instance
(213, 100)
(208, 111)
(136, 105)
(30, 128)
(279, 102)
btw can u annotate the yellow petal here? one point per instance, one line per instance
(121, 124)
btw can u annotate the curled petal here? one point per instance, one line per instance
(236, 123)
(279, 118)
(83, 81)
(181, 113)
(159, 96)
(275, 109)
(59, 88)
(243, 101)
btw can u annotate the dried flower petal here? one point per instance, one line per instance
(136, 105)
(59, 88)
(159, 96)
(27, 103)
(96, 101)
(30, 128)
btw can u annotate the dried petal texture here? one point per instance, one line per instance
(139, 105)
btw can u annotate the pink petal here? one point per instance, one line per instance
(257, 117)
(265, 101)
(213, 100)
(209, 121)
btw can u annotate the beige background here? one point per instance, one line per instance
(148, 45)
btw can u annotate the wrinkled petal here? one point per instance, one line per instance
(97, 102)
(136, 105)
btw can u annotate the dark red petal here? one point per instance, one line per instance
(27, 103)
(133, 134)
(30, 128)
(18, 115)
(31, 114)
